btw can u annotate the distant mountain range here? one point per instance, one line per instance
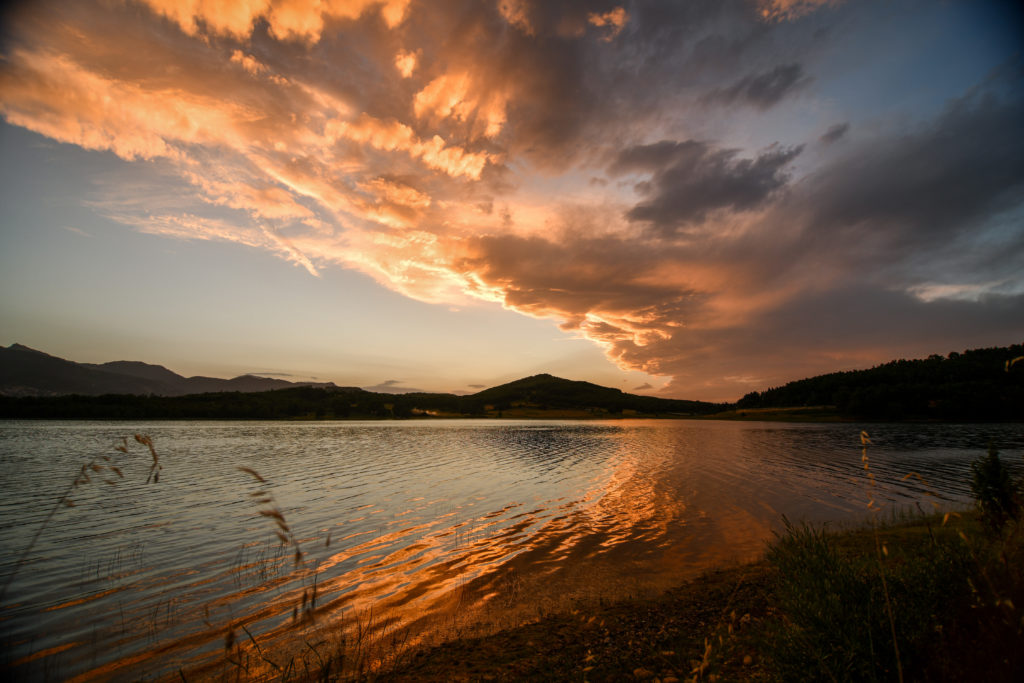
(36, 385)
(28, 372)
(975, 386)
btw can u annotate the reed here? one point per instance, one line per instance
(103, 467)
(269, 509)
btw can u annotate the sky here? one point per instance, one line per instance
(689, 199)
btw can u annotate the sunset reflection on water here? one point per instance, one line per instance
(411, 532)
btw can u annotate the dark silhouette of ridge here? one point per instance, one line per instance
(28, 372)
(976, 385)
(36, 385)
(548, 391)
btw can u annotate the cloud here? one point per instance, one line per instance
(286, 19)
(392, 386)
(834, 134)
(646, 386)
(924, 187)
(406, 62)
(615, 20)
(789, 10)
(690, 179)
(762, 90)
(561, 160)
(455, 95)
(191, 227)
(823, 276)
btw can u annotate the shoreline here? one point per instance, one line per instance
(784, 415)
(717, 626)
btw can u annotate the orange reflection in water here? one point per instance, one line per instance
(636, 529)
(620, 510)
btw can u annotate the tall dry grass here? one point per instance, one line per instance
(905, 604)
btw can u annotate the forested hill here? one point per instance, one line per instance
(976, 385)
(548, 391)
(538, 396)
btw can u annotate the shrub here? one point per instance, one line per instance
(994, 490)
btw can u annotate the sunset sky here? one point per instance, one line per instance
(693, 199)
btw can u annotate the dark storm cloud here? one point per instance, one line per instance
(690, 179)
(877, 254)
(860, 315)
(834, 133)
(819, 332)
(576, 274)
(928, 184)
(762, 90)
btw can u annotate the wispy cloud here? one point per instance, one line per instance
(761, 90)
(392, 386)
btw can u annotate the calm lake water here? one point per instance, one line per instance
(409, 531)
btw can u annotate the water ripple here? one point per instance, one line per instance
(417, 521)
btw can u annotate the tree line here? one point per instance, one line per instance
(976, 385)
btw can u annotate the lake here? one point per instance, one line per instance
(397, 533)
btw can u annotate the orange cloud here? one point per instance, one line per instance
(218, 16)
(393, 135)
(248, 63)
(405, 62)
(288, 19)
(317, 178)
(516, 13)
(397, 193)
(261, 199)
(459, 96)
(614, 19)
(788, 10)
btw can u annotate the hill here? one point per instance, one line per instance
(549, 392)
(539, 396)
(975, 385)
(28, 372)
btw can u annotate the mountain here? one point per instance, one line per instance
(36, 385)
(974, 386)
(28, 372)
(547, 391)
